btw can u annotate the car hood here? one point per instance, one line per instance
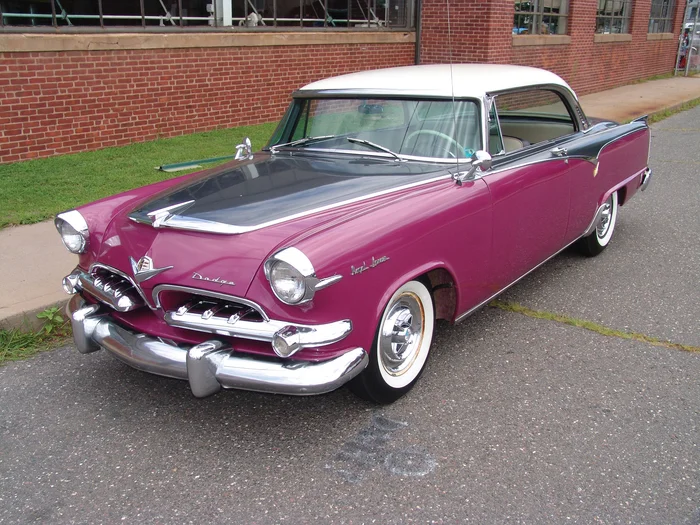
(276, 201)
(275, 188)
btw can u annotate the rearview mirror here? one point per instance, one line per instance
(480, 161)
(370, 109)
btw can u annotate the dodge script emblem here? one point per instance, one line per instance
(144, 270)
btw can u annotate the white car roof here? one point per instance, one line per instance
(469, 80)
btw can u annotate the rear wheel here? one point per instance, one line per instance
(401, 345)
(595, 243)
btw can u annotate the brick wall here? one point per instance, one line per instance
(482, 31)
(70, 101)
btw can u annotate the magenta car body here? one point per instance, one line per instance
(385, 200)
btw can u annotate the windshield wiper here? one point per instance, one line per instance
(301, 142)
(374, 146)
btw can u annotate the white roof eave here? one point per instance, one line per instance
(436, 80)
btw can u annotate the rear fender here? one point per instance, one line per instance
(622, 160)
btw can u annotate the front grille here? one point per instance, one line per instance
(218, 315)
(218, 310)
(111, 289)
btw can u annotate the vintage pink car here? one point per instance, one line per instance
(385, 200)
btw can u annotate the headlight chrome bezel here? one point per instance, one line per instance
(74, 220)
(298, 261)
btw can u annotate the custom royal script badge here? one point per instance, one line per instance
(354, 270)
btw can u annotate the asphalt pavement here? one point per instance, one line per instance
(516, 420)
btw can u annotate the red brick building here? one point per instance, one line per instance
(73, 81)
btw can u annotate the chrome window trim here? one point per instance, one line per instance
(568, 96)
(198, 291)
(516, 166)
(492, 105)
(191, 224)
(552, 145)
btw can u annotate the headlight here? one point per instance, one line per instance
(287, 282)
(293, 278)
(73, 230)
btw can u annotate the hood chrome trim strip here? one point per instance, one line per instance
(179, 222)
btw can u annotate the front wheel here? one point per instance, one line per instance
(591, 245)
(401, 346)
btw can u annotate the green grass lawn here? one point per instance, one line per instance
(36, 190)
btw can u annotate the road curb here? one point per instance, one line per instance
(674, 109)
(27, 320)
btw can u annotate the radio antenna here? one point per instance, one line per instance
(452, 82)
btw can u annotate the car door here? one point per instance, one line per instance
(529, 182)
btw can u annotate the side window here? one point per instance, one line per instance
(495, 139)
(532, 116)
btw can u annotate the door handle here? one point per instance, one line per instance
(559, 152)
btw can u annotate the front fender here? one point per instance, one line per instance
(441, 226)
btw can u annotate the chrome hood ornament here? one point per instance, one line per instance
(162, 216)
(144, 269)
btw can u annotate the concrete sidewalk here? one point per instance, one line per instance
(34, 261)
(646, 98)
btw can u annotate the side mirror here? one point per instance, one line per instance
(481, 161)
(245, 150)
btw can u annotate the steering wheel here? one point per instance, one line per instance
(443, 136)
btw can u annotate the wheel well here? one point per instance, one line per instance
(442, 286)
(621, 194)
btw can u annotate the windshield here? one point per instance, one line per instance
(434, 129)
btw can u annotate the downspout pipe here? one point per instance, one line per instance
(419, 24)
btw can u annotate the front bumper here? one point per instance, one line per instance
(646, 178)
(211, 365)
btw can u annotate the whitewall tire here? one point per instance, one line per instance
(401, 346)
(595, 243)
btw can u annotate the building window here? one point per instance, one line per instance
(661, 16)
(540, 17)
(182, 14)
(613, 16)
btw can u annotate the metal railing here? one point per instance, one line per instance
(688, 57)
(377, 14)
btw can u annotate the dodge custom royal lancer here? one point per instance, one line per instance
(384, 200)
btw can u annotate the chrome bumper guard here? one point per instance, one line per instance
(646, 177)
(211, 365)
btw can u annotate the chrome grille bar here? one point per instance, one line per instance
(110, 289)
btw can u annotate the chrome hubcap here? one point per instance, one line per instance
(401, 334)
(604, 222)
